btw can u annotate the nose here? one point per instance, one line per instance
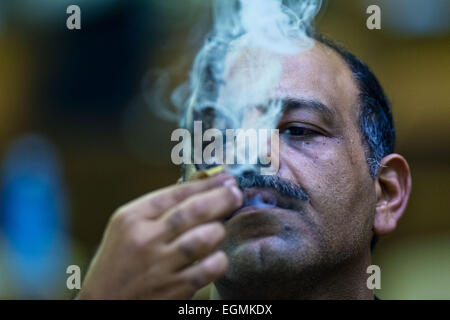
(269, 155)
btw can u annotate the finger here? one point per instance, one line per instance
(206, 271)
(193, 245)
(154, 204)
(201, 208)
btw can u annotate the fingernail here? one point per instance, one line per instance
(237, 193)
(229, 181)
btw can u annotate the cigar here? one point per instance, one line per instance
(203, 174)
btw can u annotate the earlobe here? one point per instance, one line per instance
(393, 187)
(385, 222)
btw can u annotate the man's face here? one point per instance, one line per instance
(321, 151)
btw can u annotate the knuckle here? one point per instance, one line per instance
(178, 195)
(197, 208)
(200, 215)
(188, 249)
(176, 220)
(156, 204)
(122, 217)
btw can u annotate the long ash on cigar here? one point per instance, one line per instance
(234, 80)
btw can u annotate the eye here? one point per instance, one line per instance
(296, 131)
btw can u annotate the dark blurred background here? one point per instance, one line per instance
(78, 137)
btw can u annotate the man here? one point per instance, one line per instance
(339, 185)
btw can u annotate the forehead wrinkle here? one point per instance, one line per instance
(328, 114)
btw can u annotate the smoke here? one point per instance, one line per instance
(239, 65)
(238, 68)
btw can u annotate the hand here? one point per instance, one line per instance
(164, 245)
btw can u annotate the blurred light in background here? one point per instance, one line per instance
(414, 18)
(417, 268)
(3, 15)
(34, 219)
(47, 13)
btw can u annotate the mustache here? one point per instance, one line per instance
(283, 187)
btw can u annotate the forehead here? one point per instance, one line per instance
(317, 74)
(321, 74)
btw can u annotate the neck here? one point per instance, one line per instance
(347, 281)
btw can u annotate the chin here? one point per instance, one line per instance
(263, 253)
(260, 265)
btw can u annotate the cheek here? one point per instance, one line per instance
(334, 175)
(320, 166)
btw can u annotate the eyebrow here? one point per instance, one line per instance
(293, 103)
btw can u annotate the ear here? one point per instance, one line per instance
(393, 187)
